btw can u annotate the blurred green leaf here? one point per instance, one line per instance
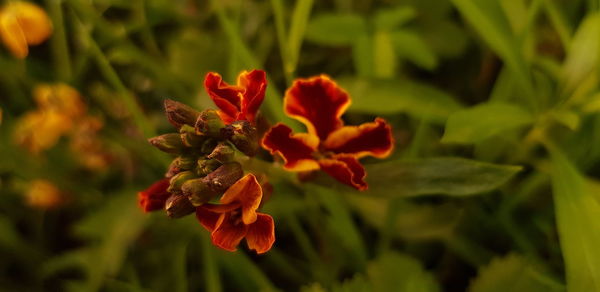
(483, 121)
(388, 19)
(384, 55)
(577, 213)
(362, 55)
(488, 19)
(397, 272)
(298, 25)
(511, 273)
(584, 53)
(445, 176)
(393, 96)
(336, 29)
(409, 44)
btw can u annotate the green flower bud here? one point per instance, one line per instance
(222, 153)
(197, 191)
(208, 146)
(178, 206)
(224, 176)
(178, 180)
(206, 166)
(169, 143)
(190, 138)
(243, 136)
(180, 114)
(209, 123)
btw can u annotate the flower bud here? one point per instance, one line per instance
(174, 168)
(180, 114)
(169, 143)
(179, 164)
(189, 136)
(197, 191)
(178, 180)
(209, 123)
(208, 146)
(178, 206)
(224, 176)
(222, 153)
(206, 166)
(243, 136)
(153, 198)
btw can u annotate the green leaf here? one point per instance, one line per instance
(411, 46)
(388, 19)
(385, 57)
(511, 273)
(384, 97)
(336, 29)
(577, 213)
(488, 19)
(584, 53)
(445, 176)
(298, 25)
(480, 122)
(397, 272)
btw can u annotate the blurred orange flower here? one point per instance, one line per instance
(23, 24)
(43, 194)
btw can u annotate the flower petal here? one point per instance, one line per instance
(154, 197)
(261, 234)
(226, 97)
(318, 103)
(207, 217)
(34, 21)
(248, 193)
(227, 234)
(12, 36)
(295, 149)
(346, 169)
(367, 139)
(255, 84)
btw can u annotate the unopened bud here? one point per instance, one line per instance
(178, 206)
(222, 153)
(169, 143)
(174, 168)
(197, 191)
(209, 123)
(178, 180)
(224, 176)
(189, 136)
(180, 114)
(208, 146)
(206, 166)
(243, 136)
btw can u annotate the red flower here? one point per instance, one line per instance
(154, 197)
(237, 102)
(319, 103)
(236, 217)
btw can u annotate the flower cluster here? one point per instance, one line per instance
(23, 24)
(206, 179)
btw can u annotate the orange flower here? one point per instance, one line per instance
(154, 197)
(60, 98)
(43, 194)
(236, 217)
(237, 102)
(23, 24)
(319, 103)
(39, 130)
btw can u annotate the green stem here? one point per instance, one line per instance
(211, 271)
(278, 13)
(60, 48)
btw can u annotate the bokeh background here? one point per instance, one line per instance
(493, 185)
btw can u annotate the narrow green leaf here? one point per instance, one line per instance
(384, 55)
(577, 213)
(445, 176)
(299, 21)
(409, 45)
(336, 29)
(584, 53)
(512, 273)
(388, 19)
(384, 97)
(362, 55)
(483, 121)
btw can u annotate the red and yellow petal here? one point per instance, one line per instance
(228, 98)
(318, 103)
(154, 197)
(254, 84)
(208, 218)
(261, 234)
(227, 234)
(346, 169)
(295, 149)
(373, 139)
(248, 193)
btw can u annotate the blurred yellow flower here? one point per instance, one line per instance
(39, 130)
(43, 194)
(86, 146)
(23, 24)
(60, 98)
